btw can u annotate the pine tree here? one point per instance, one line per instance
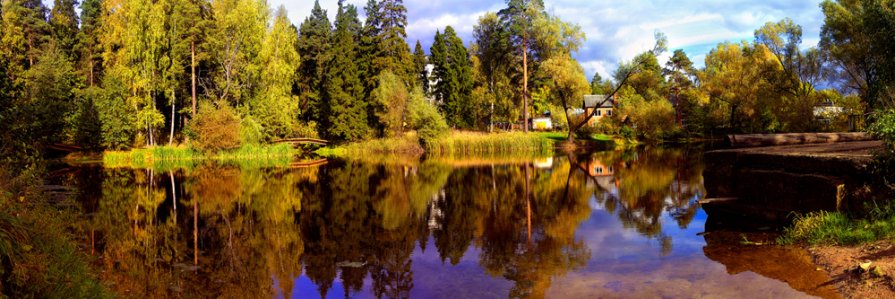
(25, 31)
(419, 66)
(344, 92)
(519, 17)
(453, 77)
(64, 22)
(395, 55)
(313, 46)
(89, 45)
(438, 59)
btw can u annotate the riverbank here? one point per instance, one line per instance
(184, 156)
(856, 251)
(38, 247)
(457, 143)
(468, 144)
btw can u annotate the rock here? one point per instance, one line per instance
(865, 266)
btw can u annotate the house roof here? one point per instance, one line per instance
(591, 101)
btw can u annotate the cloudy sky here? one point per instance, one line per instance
(616, 30)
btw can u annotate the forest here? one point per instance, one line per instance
(220, 74)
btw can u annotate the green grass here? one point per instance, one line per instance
(406, 145)
(38, 247)
(174, 157)
(472, 143)
(837, 228)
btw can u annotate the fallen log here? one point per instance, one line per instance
(756, 140)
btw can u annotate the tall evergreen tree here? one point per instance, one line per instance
(25, 30)
(395, 55)
(64, 22)
(313, 46)
(344, 92)
(419, 66)
(89, 45)
(520, 18)
(453, 76)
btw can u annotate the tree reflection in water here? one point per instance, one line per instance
(217, 230)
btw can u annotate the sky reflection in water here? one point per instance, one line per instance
(610, 224)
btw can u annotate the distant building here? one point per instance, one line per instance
(542, 123)
(827, 110)
(598, 105)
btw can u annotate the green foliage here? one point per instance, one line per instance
(423, 117)
(314, 39)
(87, 124)
(468, 143)
(346, 115)
(117, 118)
(390, 101)
(883, 127)
(650, 118)
(419, 66)
(453, 76)
(275, 109)
(216, 128)
(250, 132)
(406, 144)
(842, 229)
(89, 43)
(237, 38)
(40, 258)
(858, 35)
(64, 22)
(48, 99)
(25, 31)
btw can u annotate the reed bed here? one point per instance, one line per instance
(471, 143)
(174, 157)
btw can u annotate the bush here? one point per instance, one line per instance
(424, 118)
(215, 128)
(883, 127)
(586, 132)
(250, 132)
(300, 129)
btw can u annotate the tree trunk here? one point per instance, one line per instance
(755, 140)
(193, 75)
(173, 104)
(524, 84)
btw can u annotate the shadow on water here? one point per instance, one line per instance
(614, 223)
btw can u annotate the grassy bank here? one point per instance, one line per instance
(185, 157)
(473, 143)
(408, 145)
(454, 144)
(838, 228)
(39, 255)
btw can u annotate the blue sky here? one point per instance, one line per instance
(616, 30)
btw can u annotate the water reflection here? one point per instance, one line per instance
(439, 228)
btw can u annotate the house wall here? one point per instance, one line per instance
(604, 112)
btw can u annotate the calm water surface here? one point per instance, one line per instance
(609, 224)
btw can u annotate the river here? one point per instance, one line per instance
(606, 224)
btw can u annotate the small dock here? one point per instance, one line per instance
(774, 182)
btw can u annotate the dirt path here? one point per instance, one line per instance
(844, 267)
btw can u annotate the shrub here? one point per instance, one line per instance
(301, 129)
(250, 132)
(216, 128)
(424, 118)
(883, 127)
